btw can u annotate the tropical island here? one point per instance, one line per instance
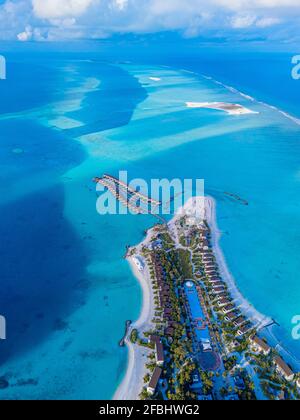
(231, 109)
(197, 337)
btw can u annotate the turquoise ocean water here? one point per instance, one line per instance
(65, 289)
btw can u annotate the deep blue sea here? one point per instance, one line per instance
(66, 291)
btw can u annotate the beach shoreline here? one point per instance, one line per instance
(260, 321)
(132, 384)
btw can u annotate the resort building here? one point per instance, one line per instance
(168, 313)
(239, 321)
(222, 295)
(218, 290)
(197, 383)
(169, 332)
(204, 244)
(212, 274)
(231, 317)
(228, 308)
(243, 330)
(156, 245)
(239, 382)
(260, 346)
(218, 284)
(209, 265)
(283, 369)
(223, 302)
(153, 339)
(159, 353)
(152, 387)
(214, 279)
(206, 254)
(208, 260)
(211, 271)
(159, 349)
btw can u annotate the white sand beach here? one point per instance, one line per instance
(231, 109)
(258, 319)
(133, 383)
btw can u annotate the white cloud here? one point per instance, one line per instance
(255, 4)
(243, 21)
(66, 19)
(267, 22)
(26, 35)
(120, 4)
(249, 20)
(52, 9)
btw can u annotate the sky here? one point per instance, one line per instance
(55, 20)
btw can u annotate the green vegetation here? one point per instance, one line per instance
(182, 241)
(207, 381)
(230, 363)
(134, 336)
(185, 265)
(144, 395)
(147, 378)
